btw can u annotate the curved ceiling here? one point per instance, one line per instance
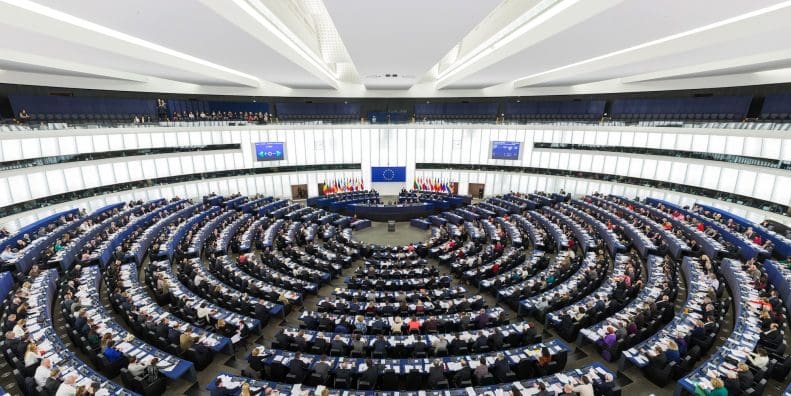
(373, 48)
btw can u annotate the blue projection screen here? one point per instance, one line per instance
(270, 151)
(388, 173)
(505, 150)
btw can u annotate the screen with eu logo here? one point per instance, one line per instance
(388, 173)
(505, 150)
(270, 151)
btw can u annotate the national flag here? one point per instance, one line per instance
(415, 186)
(324, 189)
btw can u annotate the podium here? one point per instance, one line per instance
(391, 226)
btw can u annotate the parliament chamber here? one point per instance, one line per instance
(350, 197)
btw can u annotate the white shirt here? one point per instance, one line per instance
(203, 312)
(136, 369)
(7, 256)
(759, 361)
(18, 331)
(31, 358)
(584, 389)
(66, 390)
(41, 375)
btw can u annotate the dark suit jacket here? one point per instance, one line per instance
(322, 369)
(261, 312)
(297, 367)
(746, 379)
(501, 368)
(435, 375)
(174, 336)
(605, 388)
(221, 391)
(380, 346)
(161, 331)
(659, 361)
(465, 374)
(371, 374)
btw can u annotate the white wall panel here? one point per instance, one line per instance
(746, 183)
(405, 145)
(37, 182)
(50, 146)
(90, 176)
(12, 149)
(106, 174)
(56, 182)
(711, 177)
(31, 148)
(101, 143)
(115, 142)
(728, 179)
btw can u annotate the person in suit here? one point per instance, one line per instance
(480, 371)
(161, 329)
(657, 358)
(380, 345)
(261, 311)
(185, 340)
(457, 344)
(672, 353)
(220, 389)
(440, 345)
(545, 359)
(326, 322)
(501, 367)
(297, 367)
(343, 371)
(174, 336)
(483, 319)
(745, 376)
(436, 373)
(541, 389)
(52, 383)
(480, 342)
(772, 337)
(419, 346)
(464, 374)
(310, 322)
(299, 339)
(607, 386)
(320, 342)
(371, 373)
(358, 345)
(81, 322)
(111, 353)
(68, 386)
(322, 368)
(732, 384)
(337, 343)
(42, 372)
(496, 340)
(759, 360)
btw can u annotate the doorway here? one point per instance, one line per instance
(299, 191)
(476, 190)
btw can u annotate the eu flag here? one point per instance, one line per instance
(388, 174)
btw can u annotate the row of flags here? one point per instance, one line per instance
(429, 184)
(343, 185)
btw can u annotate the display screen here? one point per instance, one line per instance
(388, 173)
(270, 151)
(505, 150)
